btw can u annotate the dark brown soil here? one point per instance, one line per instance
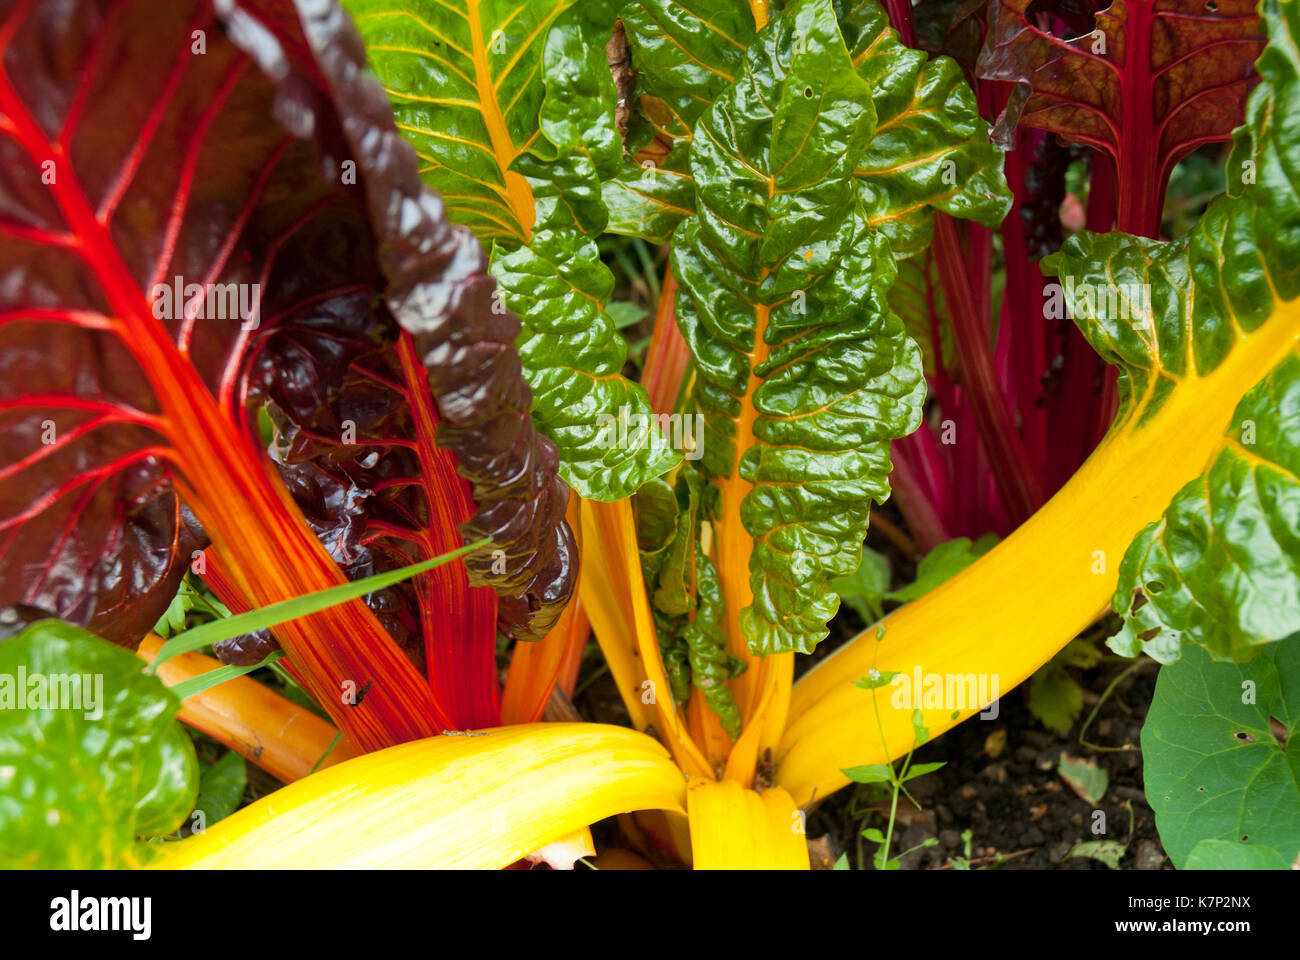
(1020, 812)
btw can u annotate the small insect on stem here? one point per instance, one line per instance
(361, 694)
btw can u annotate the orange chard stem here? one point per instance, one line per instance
(273, 732)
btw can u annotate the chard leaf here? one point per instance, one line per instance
(573, 354)
(511, 107)
(1144, 83)
(355, 440)
(931, 148)
(1222, 567)
(83, 787)
(917, 297)
(1220, 750)
(804, 373)
(267, 169)
(1219, 568)
(656, 523)
(580, 144)
(706, 640)
(685, 52)
(675, 587)
(464, 78)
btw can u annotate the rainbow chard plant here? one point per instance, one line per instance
(808, 168)
(1125, 92)
(210, 213)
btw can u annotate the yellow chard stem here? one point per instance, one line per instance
(733, 828)
(1012, 610)
(614, 592)
(479, 801)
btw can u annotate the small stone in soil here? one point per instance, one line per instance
(1149, 856)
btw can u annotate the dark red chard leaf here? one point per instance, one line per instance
(355, 425)
(137, 146)
(1150, 82)
(440, 293)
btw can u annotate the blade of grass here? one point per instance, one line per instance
(277, 613)
(205, 681)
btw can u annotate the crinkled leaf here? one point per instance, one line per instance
(931, 147)
(600, 422)
(1212, 760)
(268, 166)
(85, 781)
(580, 144)
(685, 53)
(782, 301)
(1222, 567)
(917, 297)
(706, 640)
(355, 441)
(511, 106)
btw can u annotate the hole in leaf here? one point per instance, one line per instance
(1244, 737)
(1245, 837)
(1200, 789)
(1154, 586)
(1278, 729)
(1211, 6)
(808, 92)
(1150, 634)
(1139, 601)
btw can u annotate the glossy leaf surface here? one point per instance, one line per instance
(94, 767)
(804, 371)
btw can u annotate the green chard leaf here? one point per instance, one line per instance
(1220, 567)
(464, 78)
(931, 147)
(1220, 751)
(706, 639)
(580, 144)
(97, 764)
(686, 595)
(917, 297)
(782, 301)
(511, 106)
(658, 523)
(573, 355)
(686, 52)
